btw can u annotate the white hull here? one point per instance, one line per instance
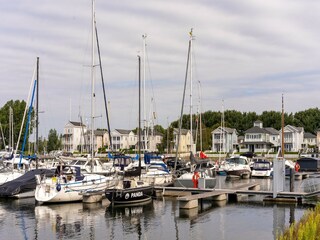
(9, 176)
(185, 180)
(157, 180)
(47, 192)
(261, 173)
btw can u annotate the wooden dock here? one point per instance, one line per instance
(191, 197)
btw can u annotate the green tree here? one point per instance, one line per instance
(18, 108)
(54, 142)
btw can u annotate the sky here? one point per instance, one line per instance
(245, 55)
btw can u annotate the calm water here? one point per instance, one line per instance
(161, 219)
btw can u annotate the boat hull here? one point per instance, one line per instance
(185, 180)
(241, 173)
(129, 196)
(51, 192)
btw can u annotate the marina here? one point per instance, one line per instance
(161, 218)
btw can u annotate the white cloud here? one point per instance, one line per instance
(246, 52)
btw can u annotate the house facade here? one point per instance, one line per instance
(123, 139)
(309, 142)
(72, 137)
(224, 139)
(154, 138)
(293, 138)
(185, 144)
(260, 139)
(100, 139)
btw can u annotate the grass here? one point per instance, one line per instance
(308, 228)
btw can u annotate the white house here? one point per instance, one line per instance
(309, 141)
(224, 139)
(72, 137)
(260, 139)
(123, 139)
(293, 138)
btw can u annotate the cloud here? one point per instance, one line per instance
(247, 53)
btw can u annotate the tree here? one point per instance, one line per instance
(18, 108)
(54, 142)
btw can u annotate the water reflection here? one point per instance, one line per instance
(133, 219)
(160, 219)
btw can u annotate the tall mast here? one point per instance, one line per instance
(144, 92)
(200, 120)
(139, 127)
(92, 86)
(282, 129)
(37, 117)
(191, 135)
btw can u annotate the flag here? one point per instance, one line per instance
(203, 155)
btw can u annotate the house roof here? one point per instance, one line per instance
(123, 131)
(256, 129)
(272, 131)
(293, 129)
(183, 131)
(309, 135)
(77, 124)
(226, 129)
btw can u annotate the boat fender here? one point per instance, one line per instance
(195, 179)
(297, 167)
(58, 187)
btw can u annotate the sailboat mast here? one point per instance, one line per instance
(139, 124)
(182, 105)
(191, 135)
(92, 86)
(144, 92)
(37, 117)
(282, 129)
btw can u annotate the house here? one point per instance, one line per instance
(185, 143)
(154, 138)
(293, 138)
(123, 139)
(224, 139)
(260, 139)
(72, 137)
(100, 139)
(309, 141)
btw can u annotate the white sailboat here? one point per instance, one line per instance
(200, 175)
(69, 181)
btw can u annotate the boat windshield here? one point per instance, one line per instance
(237, 160)
(261, 165)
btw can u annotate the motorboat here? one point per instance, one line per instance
(202, 175)
(237, 167)
(68, 185)
(262, 168)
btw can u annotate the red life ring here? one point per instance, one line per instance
(297, 167)
(195, 178)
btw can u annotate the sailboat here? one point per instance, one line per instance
(69, 182)
(199, 176)
(131, 189)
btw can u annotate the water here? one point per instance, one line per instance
(161, 219)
